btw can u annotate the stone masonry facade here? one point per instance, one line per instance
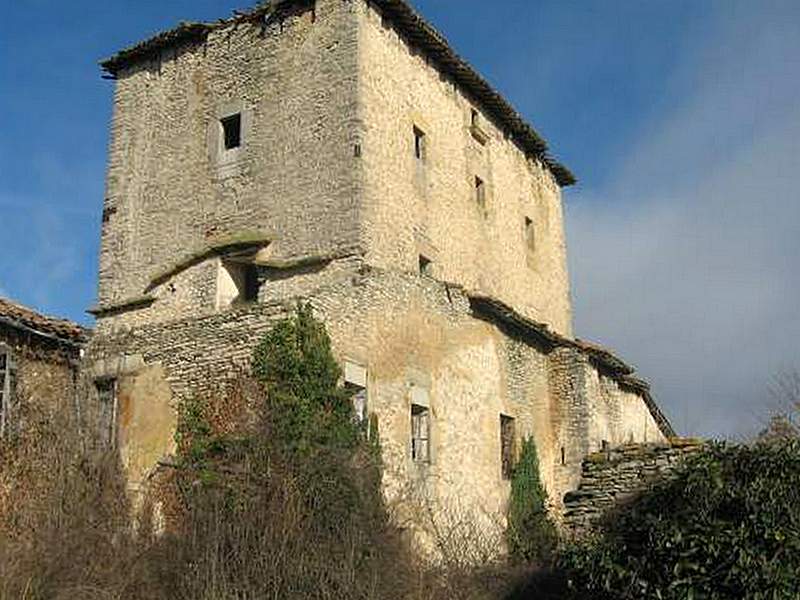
(40, 359)
(339, 152)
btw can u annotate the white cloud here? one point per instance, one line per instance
(687, 261)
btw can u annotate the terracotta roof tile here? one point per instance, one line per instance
(20, 317)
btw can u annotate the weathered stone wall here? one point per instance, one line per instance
(428, 206)
(328, 179)
(409, 333)
(168, 191)
(46, 372)
(618, 415)
(611, 478)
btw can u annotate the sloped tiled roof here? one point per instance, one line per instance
(411, 25)
(26, 319)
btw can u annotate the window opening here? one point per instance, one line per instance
(232, 131)
(7, 385)
(530, 235)
(480, 192)
(238, 284)
(419, 144)
(107, 411)
(563, 455)
(507, 441)
(251, 284)
(420, 434)
(425, 266)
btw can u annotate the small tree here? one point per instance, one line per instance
(531, 534)
(308, 407)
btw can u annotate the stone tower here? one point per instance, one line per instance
(339, 151)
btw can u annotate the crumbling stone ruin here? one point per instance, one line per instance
(615, 476)
(340, 152)
(39, 363)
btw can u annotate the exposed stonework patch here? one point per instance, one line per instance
(619, 475)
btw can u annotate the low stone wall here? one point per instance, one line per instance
(612, 477)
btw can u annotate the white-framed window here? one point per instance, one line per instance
(355, 380)
(7, 387)
(231, 131)
(420, 434)
(228, 133)
(107, 410)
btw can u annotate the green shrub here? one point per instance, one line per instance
(727, 528)
(531, 534)
(308, 408)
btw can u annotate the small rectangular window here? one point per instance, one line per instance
(107, 411)
(507, 442)
(530, 235)
(425, 266)
(355, 380)
(420, 434)
(232, 131)
(476, 127)
(480, 192)
(419, 144)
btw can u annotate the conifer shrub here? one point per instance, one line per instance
(727, 528)
(531, 535)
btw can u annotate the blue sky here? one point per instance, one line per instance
(681, 119)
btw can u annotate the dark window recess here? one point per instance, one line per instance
(419, 144)
(232, 131)
(480, 192)
(108, 212)
(530, 235)
(507, 450)
(107, 411)
(251, 284)
(474, 117)
(425, 266)
(563, 455)
(420, 434)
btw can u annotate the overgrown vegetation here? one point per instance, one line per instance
(728, 528)
(275, 492)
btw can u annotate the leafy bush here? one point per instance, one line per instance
(307, 406)
(727, 528)
(531, 535)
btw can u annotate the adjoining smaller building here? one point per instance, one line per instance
(39, 361)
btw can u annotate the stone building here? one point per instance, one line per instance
(39, 362)
(339, 151)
